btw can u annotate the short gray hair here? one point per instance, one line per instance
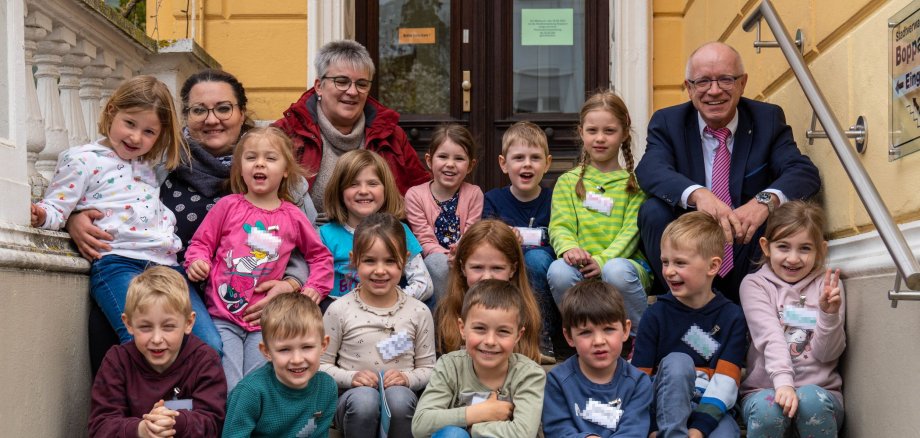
(348, 52)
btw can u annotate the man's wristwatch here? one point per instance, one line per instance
(765, 198)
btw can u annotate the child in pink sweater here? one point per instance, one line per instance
(795, 313)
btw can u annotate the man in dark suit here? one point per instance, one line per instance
(686, 149)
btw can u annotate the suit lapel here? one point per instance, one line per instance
(740, 152)
(694, 147)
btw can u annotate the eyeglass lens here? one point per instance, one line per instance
(343, 83)
(222, 111)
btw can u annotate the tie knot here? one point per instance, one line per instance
(720, 134)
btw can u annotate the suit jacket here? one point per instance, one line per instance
(764, 155)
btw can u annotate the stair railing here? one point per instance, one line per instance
(907, 266)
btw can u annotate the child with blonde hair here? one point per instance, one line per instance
(361, 185)
(795, 310)
(115, 175)
(288, 396)
(247, 238)
(595, 206)
(167, 381)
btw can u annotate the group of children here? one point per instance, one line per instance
(369, 362)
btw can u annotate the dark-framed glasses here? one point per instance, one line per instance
(725, 83)
(343, 83)
(222, 111)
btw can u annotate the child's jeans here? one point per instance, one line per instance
(358, 411)
(619, 272)
(109, 279)
(241, 351)
(451, 432)
(819, 414)
(673, 403)
(537, 261)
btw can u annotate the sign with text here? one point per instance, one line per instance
(904, 71)
(416, 35)
(547, 27)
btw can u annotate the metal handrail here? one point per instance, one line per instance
(904, 260)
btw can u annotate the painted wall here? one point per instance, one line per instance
(263, 43)
(45, 361)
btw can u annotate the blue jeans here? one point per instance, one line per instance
(819, 414)
(619, 272)
(358, 411)
(537, 262)
(673, 403)
(109, 278)
(451, 432)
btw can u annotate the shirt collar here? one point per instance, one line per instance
(732, 125)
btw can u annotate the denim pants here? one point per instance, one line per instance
(537, 262)
(819, 414)
(358, 411)
(673, 402)
(451, 432)
(619, 272)
(109, 279)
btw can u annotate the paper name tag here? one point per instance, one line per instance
(603, 414)
(395, 345)
(801, 317)
(598, 203)
(175, 405)
(701, 342)
(530, 236)
(474, 398)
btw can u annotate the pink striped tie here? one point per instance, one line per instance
(720, 168)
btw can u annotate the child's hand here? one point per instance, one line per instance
(394, 378)
(590, 269)
(160, 422)
(365, 378)
(577, 257)
(492, 409)
(90, 239)
(198, 270)
(38, 216)
(694, 433)
(830, 299)
(312, 293)
(517, 233)
(787, 399)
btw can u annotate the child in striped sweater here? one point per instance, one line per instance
(595, 205)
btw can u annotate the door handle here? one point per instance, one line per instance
(466, 86)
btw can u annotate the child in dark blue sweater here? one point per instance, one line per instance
(693, 340)
(596, 392)
(525, 205)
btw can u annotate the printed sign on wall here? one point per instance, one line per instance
(904, 70)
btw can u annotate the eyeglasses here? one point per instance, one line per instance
(343, 83)
(726, 83)
(222, 111)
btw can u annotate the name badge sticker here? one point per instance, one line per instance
(599, 203)
(701, 342)
(801, 317)
(530, 236)
(603, 414)
(175, 405)
(395, 345)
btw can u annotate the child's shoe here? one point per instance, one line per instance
(547, 355)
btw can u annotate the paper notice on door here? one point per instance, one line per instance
(416, 35)
(547, 27)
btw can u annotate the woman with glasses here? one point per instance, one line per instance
(337, 115)
(214, 106)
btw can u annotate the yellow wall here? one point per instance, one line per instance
(263, 43)
(847, 51)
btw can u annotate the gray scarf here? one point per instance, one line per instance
(334, 145)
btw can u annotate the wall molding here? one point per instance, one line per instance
(865, 255)
(36, 249)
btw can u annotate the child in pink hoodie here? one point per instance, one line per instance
(795, 312)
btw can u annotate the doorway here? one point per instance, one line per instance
(487, 64)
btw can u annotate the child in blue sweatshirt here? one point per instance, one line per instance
(693, 339)
(596, 392)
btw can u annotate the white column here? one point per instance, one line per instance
(326, 21)
(50, 55)
(118, 75)
(37, 27)
(91, 90)
(71, 70)
(630, 57)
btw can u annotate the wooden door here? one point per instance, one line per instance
(529, 60)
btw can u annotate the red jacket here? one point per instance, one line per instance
(126, 388)
(382, 135)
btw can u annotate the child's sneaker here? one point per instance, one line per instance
(547, 355)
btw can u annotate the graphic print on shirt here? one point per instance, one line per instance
(797, 337)
(245, 270)
(606, 415)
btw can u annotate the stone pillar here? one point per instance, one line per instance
(91, 90)
(37, 27)
(79, 57)
(48, 59)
